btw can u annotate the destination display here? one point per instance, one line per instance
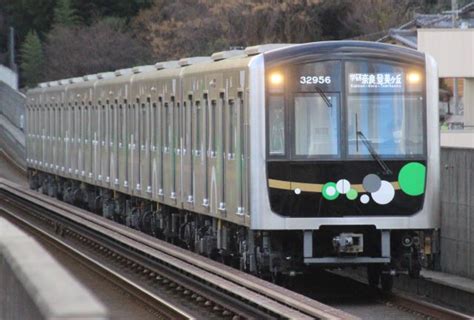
(376, 80)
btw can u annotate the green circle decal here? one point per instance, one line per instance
(412, 178)
(329, 191)
(352, 194)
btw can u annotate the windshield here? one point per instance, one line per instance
(316, 125)
(393, 124)
(353, 109)
(384, 105)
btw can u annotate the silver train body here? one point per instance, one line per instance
(189, 140)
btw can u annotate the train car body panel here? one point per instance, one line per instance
(321, 153)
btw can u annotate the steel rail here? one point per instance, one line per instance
(159, 305)
(409, 303)
(426, 308)
(227, 289)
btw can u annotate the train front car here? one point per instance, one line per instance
(352, 155)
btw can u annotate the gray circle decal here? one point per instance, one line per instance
(371, 182)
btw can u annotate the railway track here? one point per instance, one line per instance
(175, 283)
(409, 303)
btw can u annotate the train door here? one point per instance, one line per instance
(86, 151)
(168, 151)
(46, 138)
(126, 145)
(69, 137)
(152, 164)
(234, 155)
(155, 150)
(89, 144)
(77, 169)
(122, 145)
(144, 147)
(105, 144)
(178, 151)
(199, 153)
(212, 187)
(166, 138)
(221, 140)
(134, 143)
(187, 153)
(113, 165)
(96, 143)
(74, 136)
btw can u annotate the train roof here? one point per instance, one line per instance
(333, 49)
(170, 68)
(273, 53)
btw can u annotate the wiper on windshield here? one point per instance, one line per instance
(324, 96)
(370, 147)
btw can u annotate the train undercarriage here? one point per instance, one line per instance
(274, 255)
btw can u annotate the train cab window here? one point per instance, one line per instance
(385, 109)
(276, 125)
(316, 124)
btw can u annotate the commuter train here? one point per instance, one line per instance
(271, 159)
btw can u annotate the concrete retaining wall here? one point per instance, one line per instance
(9, 76)
(457, 211)
(12, 121)
(34, 286)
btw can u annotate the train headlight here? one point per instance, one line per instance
(276, 79)
(413, 77)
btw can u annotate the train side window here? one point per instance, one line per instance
(276, 125)
(177, 126)
(142, 126)
(72, 123)
(198, 124)
(87, 124)
(213, 127)
(240, 151)
(185, 124)
(206, 124)
(232, 128)
(112, 125)
(167, 126)
(79, 125)
(120, 124)
(154, 125)
(103, 124)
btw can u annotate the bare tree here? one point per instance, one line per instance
(75, 51)
(185, 27)
(370, 16)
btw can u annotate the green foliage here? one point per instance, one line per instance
(64, 14)
(26, 15)
(32, 59)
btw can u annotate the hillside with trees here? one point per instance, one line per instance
(66, 38)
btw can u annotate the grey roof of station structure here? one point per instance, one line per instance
(406, 34)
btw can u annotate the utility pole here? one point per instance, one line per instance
(11, 50)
